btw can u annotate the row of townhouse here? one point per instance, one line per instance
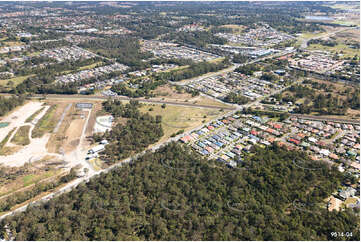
(231, 136)
(219, 86)
(87, 74)
(173, 51)
(67, 53)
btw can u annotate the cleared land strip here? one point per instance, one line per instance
(320, 118)
(81, 97)
(62, 118)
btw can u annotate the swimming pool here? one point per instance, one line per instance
(3, 125)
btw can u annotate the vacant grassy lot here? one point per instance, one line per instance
(340, 48)
(308, 35)
(234, 27)
(91, 66)
(219, 59)
(33, 178)
(15, 80)
(26, 180)
(348, 35)
(202, 100)
(176, 118)
(169, 93)
(12, 43)
(46, 124)
(22, 136)
(343, 6)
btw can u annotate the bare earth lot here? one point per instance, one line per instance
(168, 93)
(46, 158)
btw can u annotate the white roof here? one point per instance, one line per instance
(312, 139)
(97, 148)
(324, 152)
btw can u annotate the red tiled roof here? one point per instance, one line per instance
(269, 130)
(277, 126)
(301, 135)
(271, 139)
(186, 138)
(333, 156)
(254, 132)
(294, 141)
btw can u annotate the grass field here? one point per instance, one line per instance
(22, 136)
(217, 60)
(16, 80)
(347, 22)
(46, 124)
(82, 68)
(178, 68)
(169, 93)
(31, 117)
(234, 27)
(342, 6)
(13, 43)
(340, 48)
(308, 35)
(33, 178)
(176, 118)
(209, 101)
(91, 66)
(24, 181)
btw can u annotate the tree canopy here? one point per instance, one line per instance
(175, 194)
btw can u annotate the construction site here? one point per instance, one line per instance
(43, 141)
